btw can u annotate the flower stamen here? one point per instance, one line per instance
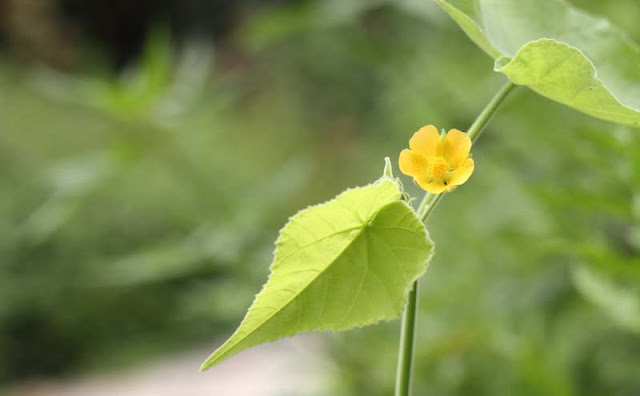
(439, 170)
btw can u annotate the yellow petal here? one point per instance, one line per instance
(426, 142)
(456, 147)
(411, 163)
(433, 188)
(462, 173)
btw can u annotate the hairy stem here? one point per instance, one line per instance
(429, 202)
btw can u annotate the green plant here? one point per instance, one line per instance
(336, 265)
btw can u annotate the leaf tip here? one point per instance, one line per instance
(207, 365)
(211, 361)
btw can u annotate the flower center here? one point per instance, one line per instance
(438, 171)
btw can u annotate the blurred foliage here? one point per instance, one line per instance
(138, 212)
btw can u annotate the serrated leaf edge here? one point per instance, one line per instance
(211, 361)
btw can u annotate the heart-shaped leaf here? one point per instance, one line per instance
(557, 51)
(345, 263)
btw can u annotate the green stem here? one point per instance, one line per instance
(407, 339)
(429, 202)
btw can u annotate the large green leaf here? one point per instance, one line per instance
(557, 51)
(344, 263)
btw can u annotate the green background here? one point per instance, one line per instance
(138, 209)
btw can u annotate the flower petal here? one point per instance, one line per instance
(433, 188)
(426, 142)
(462, 173)
(456, 147)
(411, 163)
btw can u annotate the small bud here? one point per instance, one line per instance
(388, 169)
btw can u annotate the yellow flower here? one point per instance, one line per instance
(438, 164)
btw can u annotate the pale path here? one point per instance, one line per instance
(295, 366)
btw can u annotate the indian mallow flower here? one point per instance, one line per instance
(437, 163)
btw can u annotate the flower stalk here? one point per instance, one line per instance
(428, 203)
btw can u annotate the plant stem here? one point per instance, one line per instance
(429, 202)
(407, 339)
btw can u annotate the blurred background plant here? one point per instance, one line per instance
(150, 151)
